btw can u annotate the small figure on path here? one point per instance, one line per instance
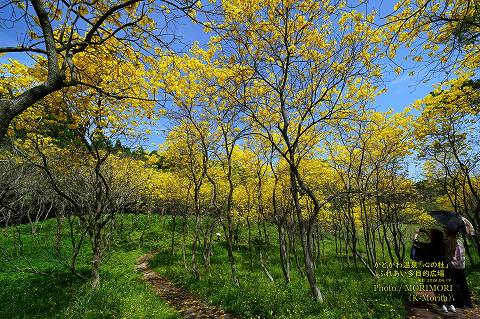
(455, 254)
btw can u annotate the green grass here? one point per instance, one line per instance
(348, 292)
(122, 293)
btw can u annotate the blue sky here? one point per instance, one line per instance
(402, 90)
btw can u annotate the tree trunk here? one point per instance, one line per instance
(265, 270)
(184, 235)
(250, 243)
(283, 254)
(194, 249)
(231, 258)
(207, 244)
(306, 242)
(309, 267)
(293, 250)
(97, 256)
(174, 221)
(228, 228)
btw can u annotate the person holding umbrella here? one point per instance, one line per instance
(433, 252)
(455, 254)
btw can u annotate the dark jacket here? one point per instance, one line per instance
(432, 251)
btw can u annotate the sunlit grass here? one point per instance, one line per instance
(348, 292)
(122, 294)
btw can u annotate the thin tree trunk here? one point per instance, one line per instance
(293, 250)
(194, 249)
(184, 235)
(250, 243)
(306, 242)
(231, 258)
(97, 256)
(265, 270)
(174, 221)
(283, 254)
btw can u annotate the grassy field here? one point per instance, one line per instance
(122, 294)
(348, 292)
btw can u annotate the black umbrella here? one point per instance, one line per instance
(452, 221)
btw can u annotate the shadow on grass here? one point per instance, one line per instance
(32, 296)
(61, 295)
(162, 258)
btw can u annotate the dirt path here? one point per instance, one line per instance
(185, 303)
(422, 310)
(192, 308)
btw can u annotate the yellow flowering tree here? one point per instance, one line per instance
(448, 135)
(60, 30)
(68, 137)
(299, 66)
(443, 34)
(369, 157)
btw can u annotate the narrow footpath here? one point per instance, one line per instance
(184, 302)
(192, 308)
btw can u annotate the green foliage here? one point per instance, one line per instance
(32, 296)
(122, 292)
(348, 292)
